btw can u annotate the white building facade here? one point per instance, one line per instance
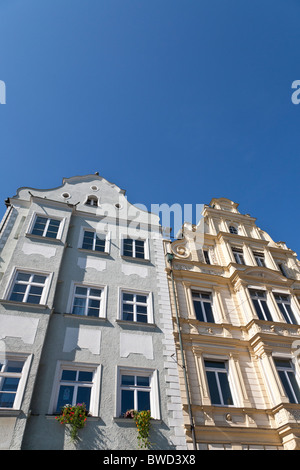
(84, 317)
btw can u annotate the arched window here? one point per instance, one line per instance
(91, 201)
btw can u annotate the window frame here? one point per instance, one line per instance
(48, 217)
(23, 375)
(13, 279)
(95, 388)
(135, 292)
(225, 371)
(240, 255)
(260, 300)
(260, 259)
(134, 239)
(103, 299)
(153, 386)
(286, 370)
(202, 301)
(93, 198)
(95, 233)
(233, 229)
(288, 316)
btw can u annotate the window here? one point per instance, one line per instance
(10, 375)
(260, 304)
(92, 201)
(135, 392)
(94, 241)
(134, 248)
(203, 306)
(288, 378)
(218, 384)
(46, 227)
(87, 301)
(260, 259)
(75, 386)
(135, 307)
(206, 256)
(283, 302)
(238, 255)
(233, 229)
(282, 268)
(28, 288)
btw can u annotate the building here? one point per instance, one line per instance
(236, 313)
(84, 317)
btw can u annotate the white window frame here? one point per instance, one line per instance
(226, 371)
(259, 300)
(285, 370)
(103, 299)
(288, 301)
(239, 252)
(23, 375)
(91, 229)
(12, 281)
(146, 247)
(202, 301)
(154, 391)
(95, 389)
(259, 258)
(149, 295)
(62, 221)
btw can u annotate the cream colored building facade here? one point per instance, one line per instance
(236, 313)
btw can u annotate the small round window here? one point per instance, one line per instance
(233, 229)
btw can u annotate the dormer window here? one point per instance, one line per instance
(233, 229)
(92, 201)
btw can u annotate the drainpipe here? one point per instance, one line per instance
(192, 425)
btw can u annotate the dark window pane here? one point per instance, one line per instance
(83, 396)
(294, 385)
(143, 400)
(65, 396)
(68, 375)
(128, 379)
(227, 398)
(10, 384)
(14, 366)
(266, 310)
(7, 399)
(143, 381)
(215, 364)
(127, 296)
(81, 290)
(198, 311)
(213, 388)
(85, 376)
(286, 386)
(127, 400)
(208, 311)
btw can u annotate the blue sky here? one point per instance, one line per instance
(176, 101)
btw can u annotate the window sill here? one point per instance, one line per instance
(136, 324)
(44, 239)
(9, 412)
(131, 421)
(137, 260)
(89, 418)
(24, 304)
(84, 317)
(93, 252)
